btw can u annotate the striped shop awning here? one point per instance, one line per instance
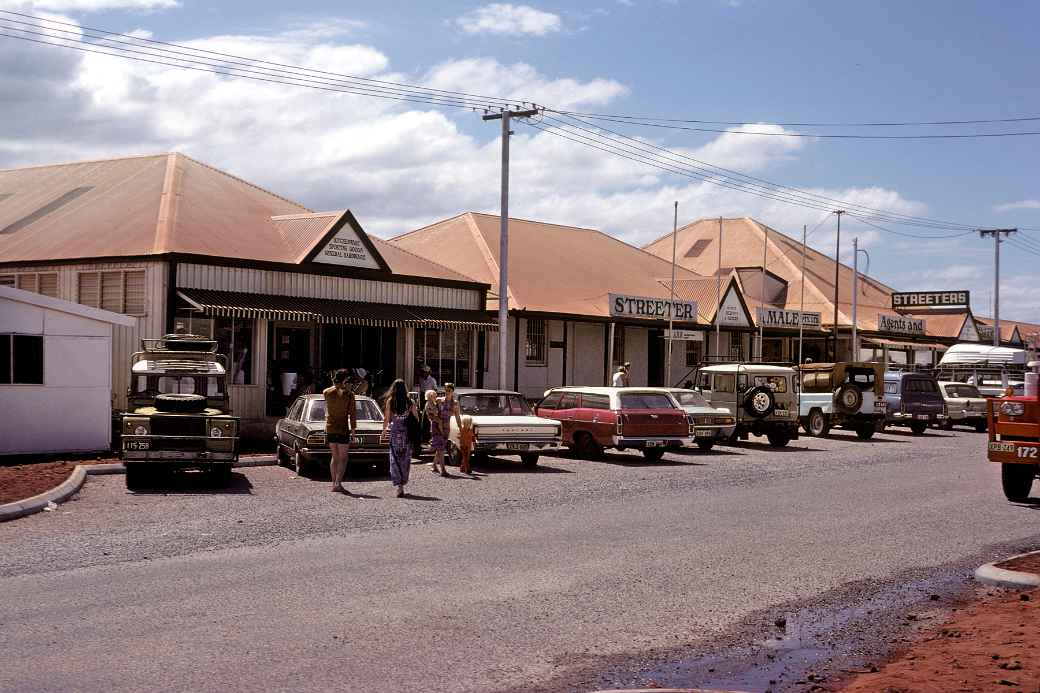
(330, 311)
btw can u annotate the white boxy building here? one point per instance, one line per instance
(55, 374)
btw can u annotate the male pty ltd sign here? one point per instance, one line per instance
(775, 317)
(646, 307)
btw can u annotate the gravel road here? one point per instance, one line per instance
(569, 577)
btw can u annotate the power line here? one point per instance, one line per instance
(983, 121)
(910, 235)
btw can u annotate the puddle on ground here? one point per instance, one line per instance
(807, 647)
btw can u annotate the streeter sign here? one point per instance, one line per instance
(900, 324)
(774, 317)
(624, 306)
(930, 299)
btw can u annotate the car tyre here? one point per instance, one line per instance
(587, 446)
(220, 473)
(653, 454)
(918, 427)
(817, 424)
(136, 475)
(778, 439)
(865, 431)
(1017, 480)
(706, 444)
(299, 463)
(529, 459)
(180, 403)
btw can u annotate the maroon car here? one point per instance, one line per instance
(596, 418)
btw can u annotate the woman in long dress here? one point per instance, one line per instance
(397, 408)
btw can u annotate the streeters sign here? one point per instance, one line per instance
(927, 300)
(775, 317)
(900, 324)
(646, 307)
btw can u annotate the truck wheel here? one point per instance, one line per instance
(653, 454)
(529, 459)
(706, 444)
(865, 431)
(817, 424)
(136, 475)
(981, 427)
(778, 439)
(1017, 480)
(918, 427)
(220, 474)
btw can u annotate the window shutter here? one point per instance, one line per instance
(88, 289)
(134, 282)
(112, 291)
(27, 282)
(7, 280)
(49, 284)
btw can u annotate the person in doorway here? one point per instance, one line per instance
(340, 423)
(619, 377)
(397, 407)
(426, 380)
(628, 374)
(467, 441)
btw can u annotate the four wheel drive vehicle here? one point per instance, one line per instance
(965, 406)
(300, 436)
(762, 399)
(913, 400)
(850, 395)
(1014, 442)
(595, 418)
(504, 425)
(711, 425)
(179, 412)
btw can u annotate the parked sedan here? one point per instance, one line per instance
(300, 436)
(504, 425)
(964, 405)
(711, 425)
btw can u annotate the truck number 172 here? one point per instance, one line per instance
(1027, 453)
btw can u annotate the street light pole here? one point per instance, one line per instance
(503, 244)
(671, 306)
(996, 233)
(837, 268)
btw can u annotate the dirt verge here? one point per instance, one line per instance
(21, 481)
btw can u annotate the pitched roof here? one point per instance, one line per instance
(1007, 327)
(32, 298)
(164, 203)
(553, 268)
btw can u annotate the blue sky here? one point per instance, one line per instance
(748, 61)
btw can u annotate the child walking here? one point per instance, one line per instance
(467, 440)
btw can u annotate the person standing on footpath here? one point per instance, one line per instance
(340, 423)
(397, 408)
(426, 381)
(619, 377)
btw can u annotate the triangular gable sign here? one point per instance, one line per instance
(347, 245)
(733, 312)
(969, 332)
(1016, 337)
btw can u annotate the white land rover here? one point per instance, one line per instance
(763, 399)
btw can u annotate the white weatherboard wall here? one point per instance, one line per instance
(71, 411)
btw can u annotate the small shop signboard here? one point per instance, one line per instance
(647, 307)
(685, 335)
(776, 317)
(930, 300)
(900, 324)
(346, 249)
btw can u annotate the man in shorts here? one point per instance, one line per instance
(340, 423)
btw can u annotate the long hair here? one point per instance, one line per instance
(398, 397)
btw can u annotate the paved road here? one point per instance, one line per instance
(516, 580)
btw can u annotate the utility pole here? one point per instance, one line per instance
(837, 268)
(801, 308)
(718, 299)
(503, 244)
(855, 294)
(996, 233)
(671, 306)
(762, 294)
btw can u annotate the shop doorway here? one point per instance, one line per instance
(655, 356)
(290, 365)
(371, 349)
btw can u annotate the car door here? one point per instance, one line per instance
(598, 418)
(287, 426)
(565, 415)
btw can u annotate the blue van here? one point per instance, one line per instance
(914, 400)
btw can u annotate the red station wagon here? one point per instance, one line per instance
(595, 418)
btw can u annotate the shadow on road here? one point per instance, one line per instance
(907, 433)
(191, 482)
(624, 460)
(714, 452)
(498, 465)
(417, 497)
(770, 448)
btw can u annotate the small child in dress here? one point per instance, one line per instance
(467, 441)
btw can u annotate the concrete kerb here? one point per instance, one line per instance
(65, 490)
(666, 690)
(1002, 577)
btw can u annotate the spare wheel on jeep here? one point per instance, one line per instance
(759, 402)
(180, 404)
(848, 399)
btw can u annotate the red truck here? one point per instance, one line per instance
(596, 418)
(1014, 442)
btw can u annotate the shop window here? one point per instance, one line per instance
(119, 291)
(619, 346)
(45, 283)
(772, 350)
(535, 345)
(235, 340)
(8, 280)
(694, 353)
(448, 354)
(21, 359)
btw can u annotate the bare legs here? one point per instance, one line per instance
(338, 465)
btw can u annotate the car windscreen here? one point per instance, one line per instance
(366, 410)
(962, 391)
(689, 398)
(494, 405)
(646, 400)
(919, 385)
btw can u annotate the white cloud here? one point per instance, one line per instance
(1021, 204)
(751, 152)
(87, 5)
(509, 20)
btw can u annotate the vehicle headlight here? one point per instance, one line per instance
(1012, 408)
(137, 427)
(222, 428)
